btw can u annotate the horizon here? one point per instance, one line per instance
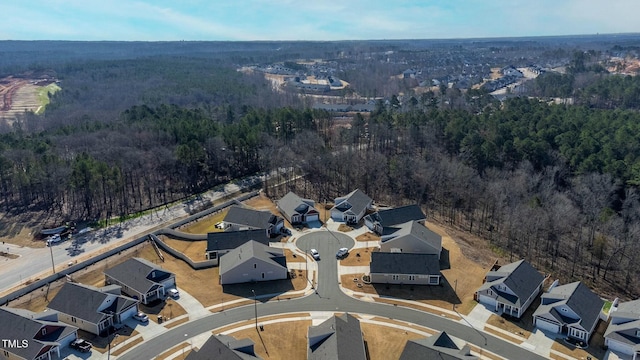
(328, 20)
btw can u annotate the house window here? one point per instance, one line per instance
(255, 265)
(564, 309)
(433, 280)
(6, 353)
(263, 275)
(44, 331)
(489, 292)
(638, 333)
(73, 319)
(412, 277)
(395, 277)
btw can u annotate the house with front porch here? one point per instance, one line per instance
(33, 336)
(351, 207)
(92, 309)
(141, 279)
(240, 218)
(511, 288)
(387, 218)
(571, 309)
(404, 268)
(623, 333)
(220, 243)
(297, 210)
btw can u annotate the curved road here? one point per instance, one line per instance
(328, 298)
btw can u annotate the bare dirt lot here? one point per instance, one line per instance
(358, 257)
(269, 343)
(206, 224)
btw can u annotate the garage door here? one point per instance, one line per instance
(542, 324)
(488, 301)
(129, 313)
(311, 218)
(619, 347)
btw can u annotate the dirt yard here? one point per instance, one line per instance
(269, 343)
(385, 342)
(368, 236)
(195, 250)
(358, 257)
(205, 225)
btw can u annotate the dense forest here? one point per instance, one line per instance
(556, 184)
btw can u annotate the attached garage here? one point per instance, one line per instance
(488, 301)
(546, 325)
(129, 313)
(312, 218)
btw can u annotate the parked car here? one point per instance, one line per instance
(174, 293)
(54, 239)
(142, 317)
(315, 254)
(342, 252)
(81, 345)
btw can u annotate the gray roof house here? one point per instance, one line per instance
(404, 268)
(352, 207)
(571, 309)
(297, 210)
(141, 279)
(242, 218)
(92, 309)
(510, 288)
(220, 243)
(379, 221)
(29, 335)
(412, 237)
(440, 346)
(623, 333)
(253, 261)
(338, 337)
(225, 347)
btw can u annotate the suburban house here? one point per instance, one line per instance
(253, 261)
(510, 288)
(92, 309)
(623, 332)
(225, 347)
(440, 346)
(339, 337)
(571, 309)
(412, 237)
(404, 268)
(297, 210)
(383, 219)
(141, 279)
(220, 243)
(28, 335)
(352, 207)
(240, 218)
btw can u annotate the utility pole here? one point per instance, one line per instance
(255, 306)
(53, 265)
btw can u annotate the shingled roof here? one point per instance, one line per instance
(522, 278)
(404, 263)
(339, 337)
(440, 346)
(249, 251)
(232, 239)
(578, 297)
(257, 219)
(136, 274)
(399, 215)
(357, 201)
(223, 347)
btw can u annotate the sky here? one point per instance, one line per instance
(231, 20)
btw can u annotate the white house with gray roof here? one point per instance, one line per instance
(297, 210)
(439, 346)
(384, 219)
(253, 261)
(220, 243)
(33, 336)
(92, 309)
(141, 279)
(623, 333)
(571, 309)
(240, 218)
(511, 288)
(404, 268)
(337, 338)
(352, 207)
(411, 237)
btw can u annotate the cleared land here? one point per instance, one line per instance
(358, 257)
(282, 340)
(385, 342)
(206, 224)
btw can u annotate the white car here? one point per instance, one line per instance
(54, 239)
(315, 254)
(142, 317)
(174, 293)
(342, 252)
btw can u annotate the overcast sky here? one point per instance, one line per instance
(310, 19)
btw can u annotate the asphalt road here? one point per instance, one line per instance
(328, 298)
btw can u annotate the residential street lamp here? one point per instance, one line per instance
(255, 306)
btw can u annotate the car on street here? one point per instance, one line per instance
(174, 293)
(81, 345)
(315, 254)
(342, 252)
(54, 239)
(142, 317)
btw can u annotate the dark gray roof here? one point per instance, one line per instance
(249, 251)
(18, 324)
(404, 263)
(258, 219)
(436, 347)
(625, 321)
(522, 278)
(136, 274)
(291, 204)
(403, 214)
(357, 200)
(339, 337)
(222, 347)
(578, 297)
(83, 302)
(229, 240)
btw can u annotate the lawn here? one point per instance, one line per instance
(358, 257)
(43, 95)
(368, 236)
(280, 340)
(168, 309)
(206, 224)
(513, 327)
(195, 250)
(385, 342)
